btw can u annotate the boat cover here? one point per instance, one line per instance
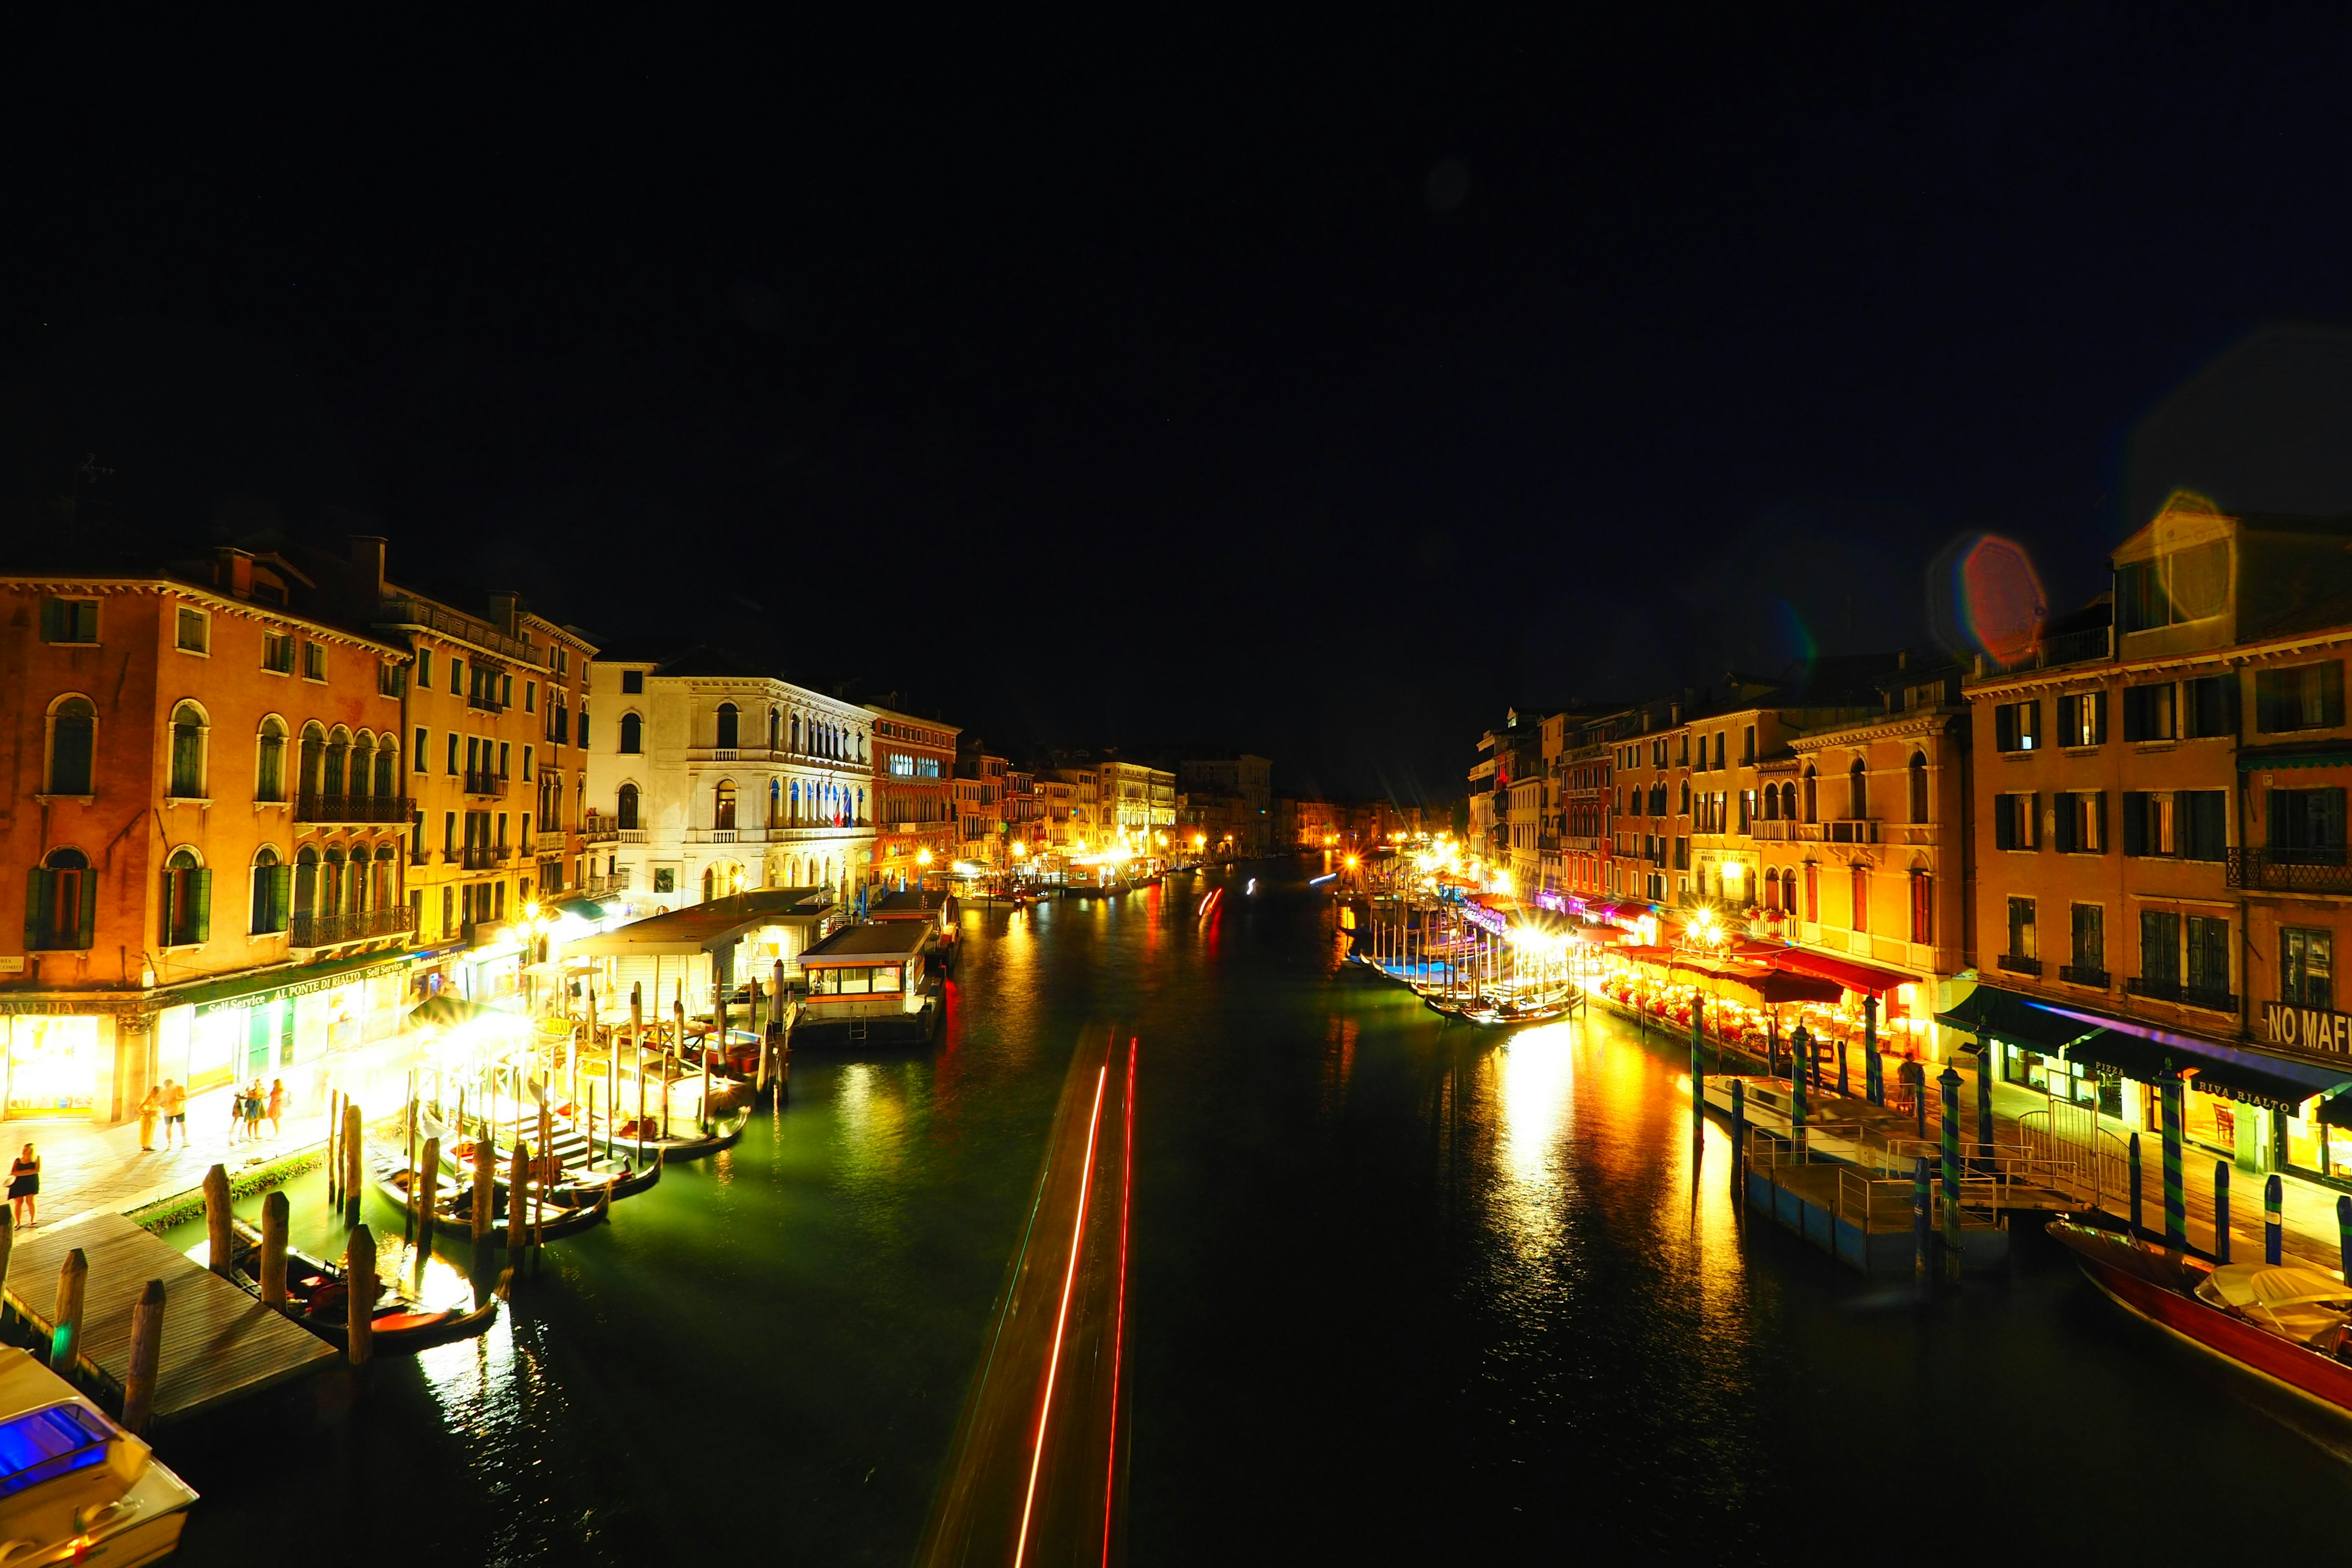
(2284, 1294)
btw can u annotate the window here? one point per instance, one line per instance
(314, 661)
(2083, 719)
(1862, 898)
(73, 746)
(424, 749)
(2024, 941)
(2149, 713)
(269, 761)
(2306, 697)
(195, 632)
(2209, 706)
(2151, 823)
(2186, 584)
(273, 890)
(2159, 950)
(2017, 821)
(188, 915)
(1720, 737)
(530, 696)
(1917, 778)
(457, 676)
(278, 652)
(2202, 826)
(1857, 790)
(506, 690)
(583, 727)
(69, 620)
(61, 903)
(633, 682)
(2307, 967)
(2208, 961)
(388, 679)
(504, 755)
(1813, 892)
(2017, 726)
(1748, 747)
(2306, 826)
(2082, 822)
(2090, 943)
(188, 753)
(633, 732)
(626, 814)
(724, 813)
(424, 670)
(727, 727)
(452, 769)
(526, 761)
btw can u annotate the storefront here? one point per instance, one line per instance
(57, 1064)
(303, 1026)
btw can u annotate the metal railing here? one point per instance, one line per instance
(2069, 1137)
(1853, 830)
(485, 856)
(2290, 870)
(313, 808)
(549, 843)
(484, 702)
(481, 781)
(2017, 965)
(2074, 647)
(2081, 974)
(401, 610)
(326, 930)
(600, 833)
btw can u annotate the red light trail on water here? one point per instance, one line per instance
(1062, 1317)
(1119, 1329)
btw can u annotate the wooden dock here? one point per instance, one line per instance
(220, 1344)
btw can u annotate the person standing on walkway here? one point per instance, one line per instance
(175, 1112)
(24, 1186)
(277, 1105)
(151, 1110)
(253, 1113)
(235, 1113)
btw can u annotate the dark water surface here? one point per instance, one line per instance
(1400, 1291)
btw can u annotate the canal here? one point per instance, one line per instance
(1398, 1290)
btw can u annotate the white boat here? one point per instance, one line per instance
(75, 1486)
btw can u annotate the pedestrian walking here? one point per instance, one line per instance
(175, 1112)
(23, 1185)
(236, 1115)
(277, 1105)
(252, 1104)
(151, 1110)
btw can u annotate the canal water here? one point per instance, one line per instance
(1399, 1290)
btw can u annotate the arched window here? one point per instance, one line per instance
(726, 742)
(387, 876)
(187, 900)
(626, 815)
(272, 888)
(1771, 803)
(1857, 792)
(313, 758)
(723, 813)
(330, 883)
(1814, 892)
(793, 796)
(269, 764)
(1812, 811)
(1789, 803)
(384, 757)
(796, 732)
(1918, 786)
(775, 730)
(338, 747)
(306, 884)
(188, 728)
(633, 733)
(73, 745)
(775, 802)
(861, 805)
(61, 903)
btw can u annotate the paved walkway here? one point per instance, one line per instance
(85, 1168)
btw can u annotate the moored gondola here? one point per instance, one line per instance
(453, 1208)
(317, 1298)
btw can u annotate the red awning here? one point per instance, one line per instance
(1844, 971)
(1603, 936)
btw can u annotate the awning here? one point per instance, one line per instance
(2274, 1082)
(1845, 972)
(1994, 1012)
(2319, 754)
(294, 980)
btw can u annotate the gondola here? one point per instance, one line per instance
(317, 1297)
(453, 1208)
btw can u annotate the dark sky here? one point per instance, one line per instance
(1318, 392)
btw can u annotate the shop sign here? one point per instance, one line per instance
(1486, 919)
(2306, 1028)
(300, 989)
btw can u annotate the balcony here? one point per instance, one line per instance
(2013, 964)
(2081, 974)
(406, 612)
(484, 857)
(1853, 830)
(2290, 870)
(2091, 646)
(484, 702)
(2158, 990)
(368, 925)
(726, 835)
(338, 808)
(481, 781)
(604, 886)
(600, 833)
(549, 843)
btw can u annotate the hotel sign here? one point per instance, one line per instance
(2306, 1028)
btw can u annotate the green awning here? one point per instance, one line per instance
(292, 981)
(1995, 1012)
(2278, 1084)
(2319, 754)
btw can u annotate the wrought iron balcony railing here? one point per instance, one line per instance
(2290, 870)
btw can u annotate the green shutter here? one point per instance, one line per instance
(204, 905)
(166, 934)
(281, 895)
(88, 912)
(36, 898)
(53, 620)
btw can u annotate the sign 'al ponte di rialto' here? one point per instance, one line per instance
(2306, 1028)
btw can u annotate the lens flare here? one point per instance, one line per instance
(2002, 603)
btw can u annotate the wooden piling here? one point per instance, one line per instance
(218, 1236)
(517, 1198)
(146, 1355)
(354, 1178)
(428, 1192)
(65, 1340)
(678, 1041)
(334, 1146)
(2220, 1211)
(486, 1183)
(275, 1214)
(359, 1279)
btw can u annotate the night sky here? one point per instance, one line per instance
(1318, 391)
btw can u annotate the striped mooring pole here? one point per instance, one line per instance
(1738, 1129)
(1698, 1072)
(1798, 1043)
(1915, 1075)
(1873, 1067)
(1984, 1103)
(1921, 1230)
(2176, 1199)
(1842, 1088)
(1949, 1082)
(2135, 1187)
(2220, 1211)
(2343, 1235)
(2273, 1220)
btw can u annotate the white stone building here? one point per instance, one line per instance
(716, 779)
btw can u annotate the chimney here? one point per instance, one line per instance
(233, 570)
(502, 610)
(367, 569)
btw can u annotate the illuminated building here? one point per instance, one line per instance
(915, 816)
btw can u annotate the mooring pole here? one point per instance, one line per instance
(2273, 1220)
(2220, 1211)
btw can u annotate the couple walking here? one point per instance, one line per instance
(168, 1105)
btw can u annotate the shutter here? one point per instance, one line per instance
(86, 924)
(36, 898)
(2067, 806)
(204, 931)
(2134, 822)
(53, 620)
(2004, 729)
(2032, 837)
(2099, 821)
(2331, 693)
(2004, 822)
(165, 932)
(281, 895)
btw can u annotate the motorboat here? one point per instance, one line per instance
(2281, 1321)
(74, 1485)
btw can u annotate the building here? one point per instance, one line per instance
(1135, 805)
(1233, 791)
(711, 777)
(211, 814)
(1319, 822)
(915, 816)
(981, 836)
